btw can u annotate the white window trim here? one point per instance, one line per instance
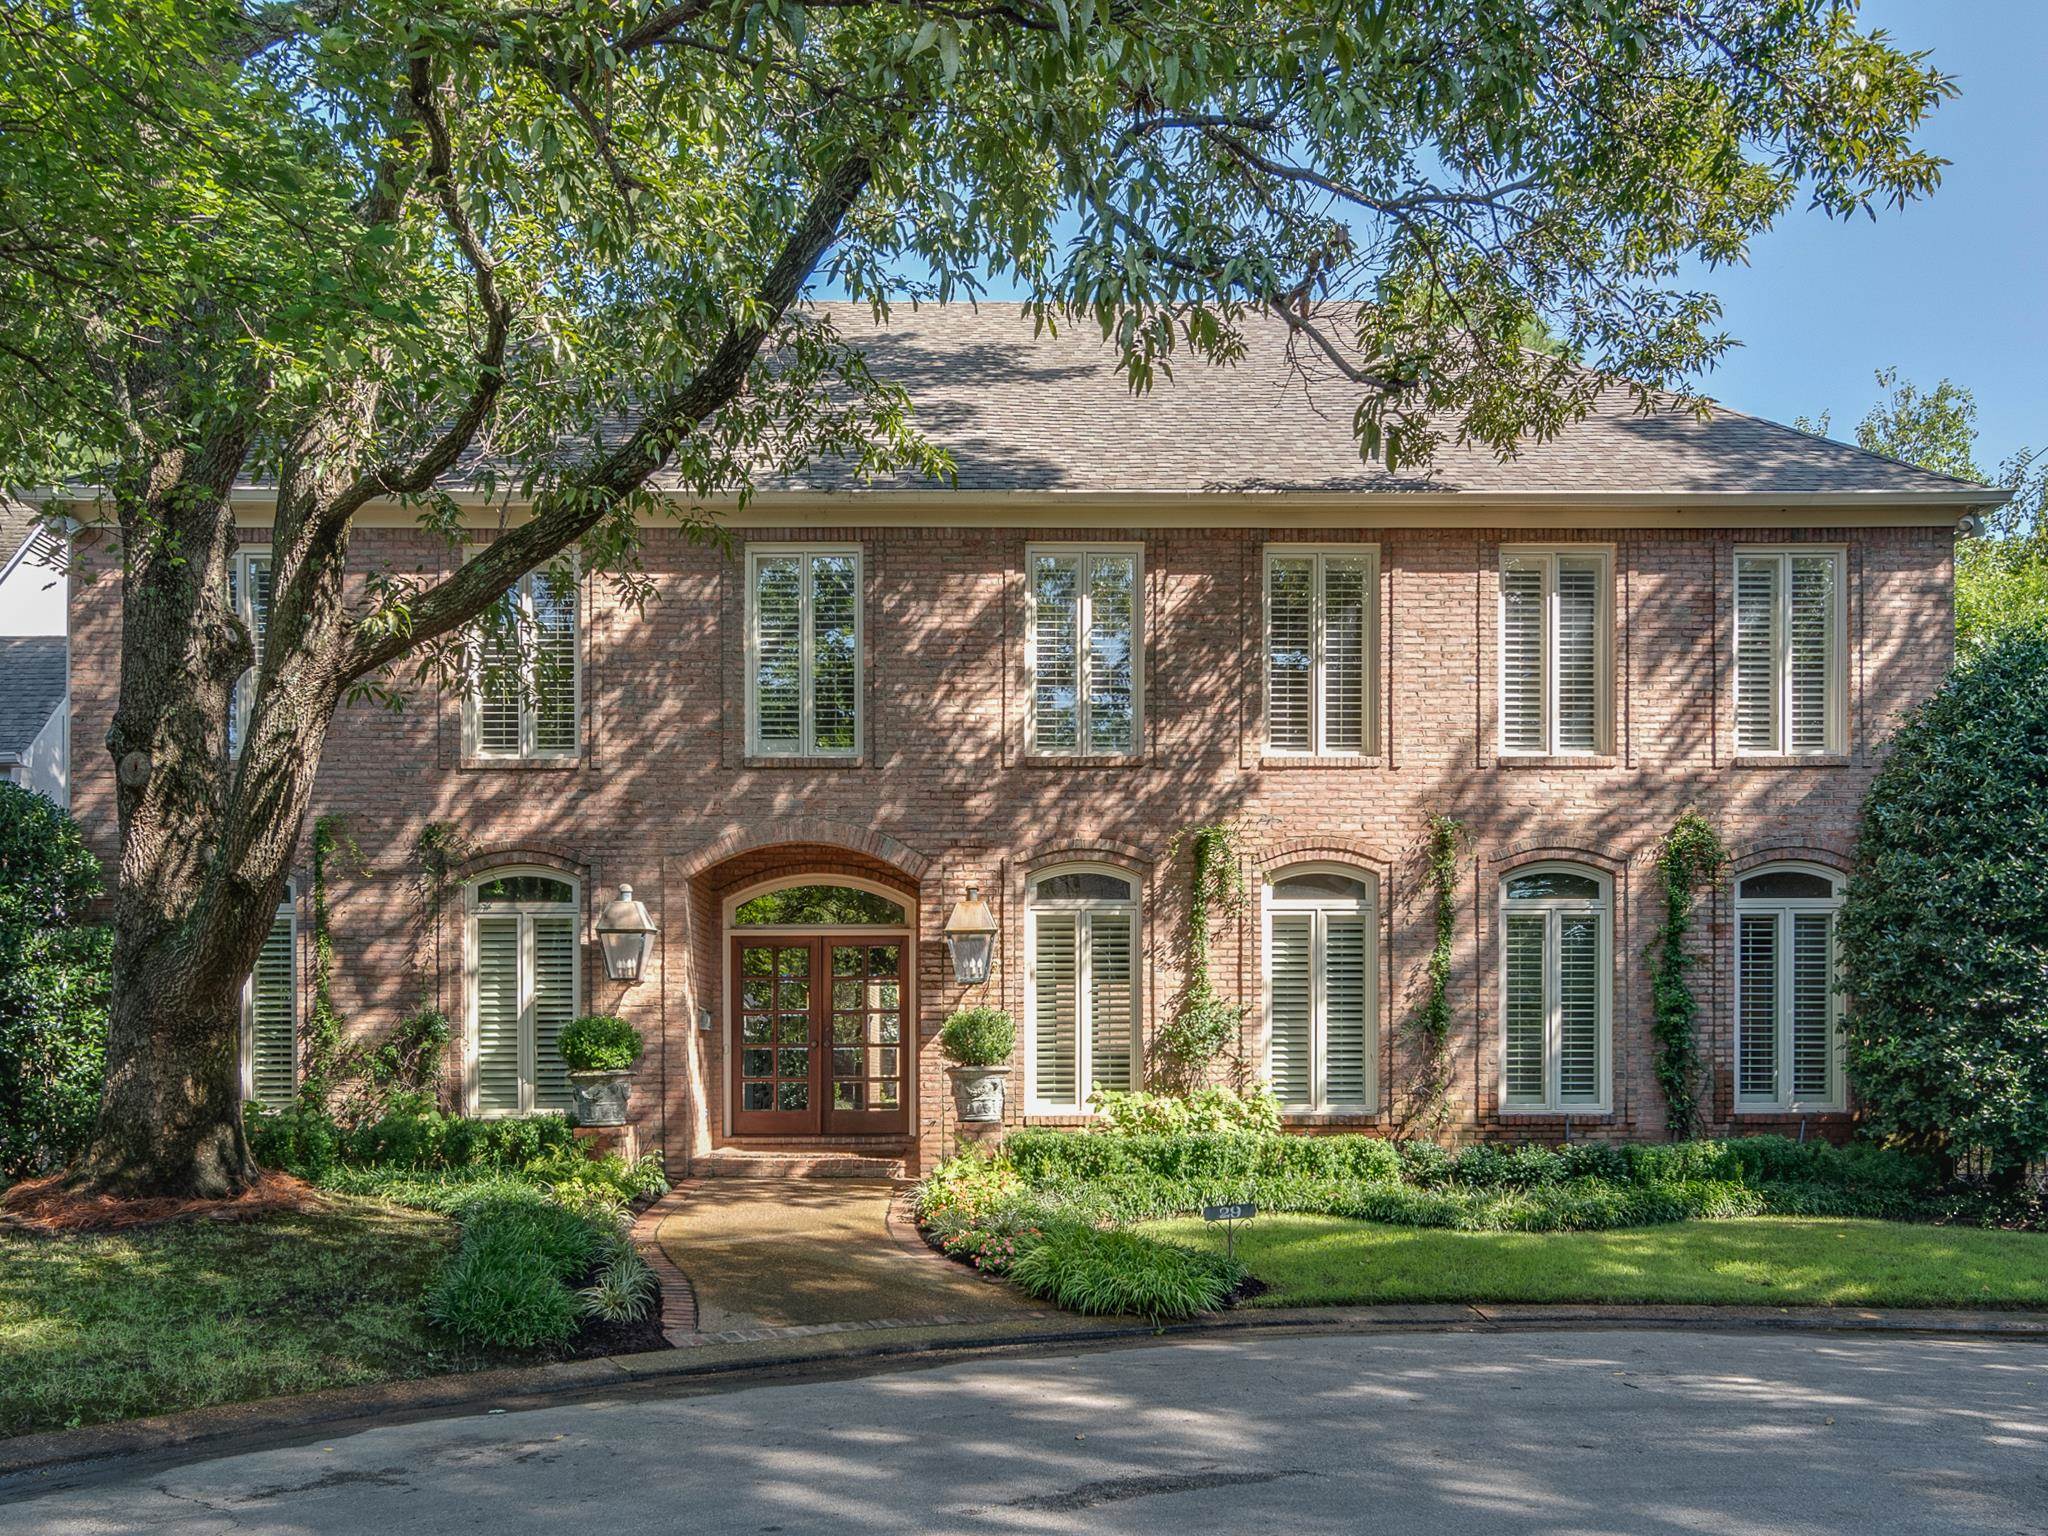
(1553, 909)
(243, 701)
(288, 909)
(1369, 555)
(529, 749)
(1083, 624)
(1782, 907)
(806, 702)
(526, 911)
(1320, 907)
(1837, 722)
(1603, 630)
(1084, 1022)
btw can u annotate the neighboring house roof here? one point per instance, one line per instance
(31, 688)
(1025, 412)
(26, 537)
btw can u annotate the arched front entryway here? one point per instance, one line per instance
(805, 967)
(821, 974)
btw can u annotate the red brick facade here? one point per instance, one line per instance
(665, 798)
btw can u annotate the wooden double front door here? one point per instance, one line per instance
(819, 1035)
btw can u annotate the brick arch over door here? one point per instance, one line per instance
(844, 838)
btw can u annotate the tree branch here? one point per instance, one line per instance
(571, 511)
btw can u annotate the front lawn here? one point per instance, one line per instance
(189, 1313)
(1761, 1261)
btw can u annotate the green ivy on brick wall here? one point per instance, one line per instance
(1204, 1025)
(1429, 1099)
(1689, 857)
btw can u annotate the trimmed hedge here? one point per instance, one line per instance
(303, 1140)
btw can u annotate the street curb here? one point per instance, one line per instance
(223, 1429)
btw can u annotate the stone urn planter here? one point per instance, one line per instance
(979, 1042)
(979, 1092)
(600, 1096)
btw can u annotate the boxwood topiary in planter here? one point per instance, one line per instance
(599, 1050)
(979, 1042)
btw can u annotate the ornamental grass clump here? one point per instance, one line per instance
(1117, 1273)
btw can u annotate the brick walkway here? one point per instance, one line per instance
(764, 1259)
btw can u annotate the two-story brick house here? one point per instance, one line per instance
(1130, 616)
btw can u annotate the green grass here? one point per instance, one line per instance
(199, 1312)
(1763, 1261)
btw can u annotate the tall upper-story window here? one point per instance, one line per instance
(525, 976)
(1787, 1018)
(1555, 992)
(1320, 971)
(804, 652)
(524, 700)
(270, 1014)
(1556, 651)
(249, 596)
(1790, 640)
(1081, 986)
(1321, 629)
(1084, 650)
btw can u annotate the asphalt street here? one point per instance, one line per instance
(1635, 1432)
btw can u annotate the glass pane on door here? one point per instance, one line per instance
(775, 1027)
(867, 1027)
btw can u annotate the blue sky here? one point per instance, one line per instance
(1955, 287)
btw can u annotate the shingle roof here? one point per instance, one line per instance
(17, 521)
(1025, 412)
(31, 687)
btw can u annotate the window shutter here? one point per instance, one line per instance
(1290, 608)
(1292, 1008)
(497, 1015)
(274, 1017)
(1346, 1028)
(1524, 1007)
(1756, 646)
(778, 654)
(497, 705)
(250, 572)
(1346, 609)
(1812, 636)
(554, 642)
(1812, 1014)
(1056, 710)
(1057, 1008)
(1756, 1044)
(1578, 654)
(1112, 692)
(554, 1005)
(1578, 1009)
(1111, 1018)
(259, 602)
(835, 600)
(1521, 660)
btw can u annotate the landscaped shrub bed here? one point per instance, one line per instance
(544, 1262)
(1001, 1211)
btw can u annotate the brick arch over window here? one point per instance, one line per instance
(530, 855)
(1095, 850)
(1508, 860)
(1326, 850)
(1788, 853)
(776, 861)
(841, 836)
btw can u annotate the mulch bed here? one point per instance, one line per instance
(48, 1207)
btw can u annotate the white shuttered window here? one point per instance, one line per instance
(525, 979)
(270, 1016)
(1082, 980)
(1321, 973)
(1084, 650)
(804, 652)
(524, 701)
(1790, 694)
(1556, 651)
(1321, 640)
(1787, 1022)
(1555, 993)
(249, 597)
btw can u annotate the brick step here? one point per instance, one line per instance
(791, 1163)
